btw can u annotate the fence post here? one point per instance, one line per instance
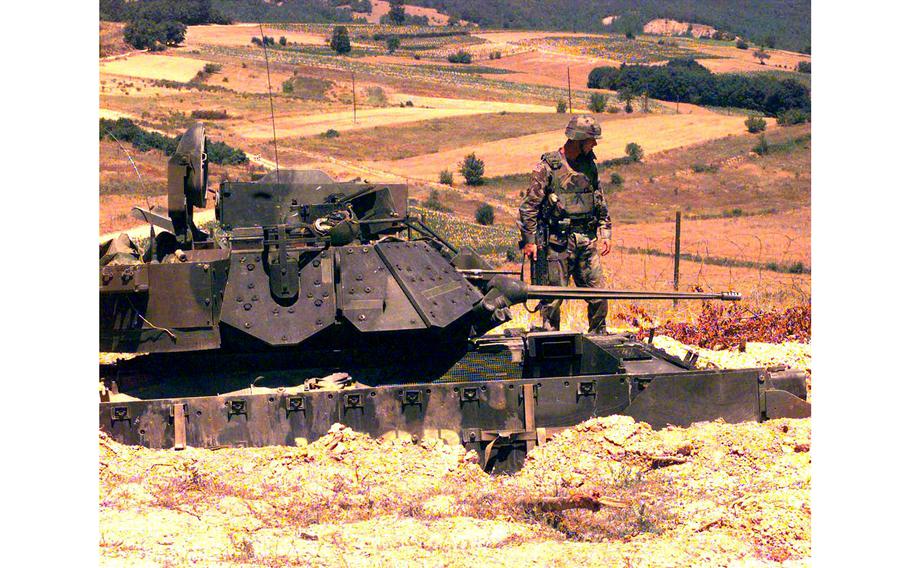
(676, 256)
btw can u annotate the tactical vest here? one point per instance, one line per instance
(574, 190)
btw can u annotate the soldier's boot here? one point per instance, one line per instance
(597, 316)
(549, 312)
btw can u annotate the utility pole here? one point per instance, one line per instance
(354, 94)
(569, 80)
(676, 255)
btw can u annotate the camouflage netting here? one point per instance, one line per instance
(711, 494)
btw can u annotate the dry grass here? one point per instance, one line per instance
(427, 136)
(152, 66)
(737, 492)
(654, 132)
(111, 39)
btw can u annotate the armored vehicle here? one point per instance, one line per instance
(311, 302)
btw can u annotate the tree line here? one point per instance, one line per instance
(125, 130)
(685, 80)
(787, 22)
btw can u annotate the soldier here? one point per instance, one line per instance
(564, 216)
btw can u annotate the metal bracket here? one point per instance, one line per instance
(411, 398)
(585, 388)
(469, 394)
(236, 407)
(178, 413)
(294, 404)
(120, 413)
(284, 270)
(352, 401)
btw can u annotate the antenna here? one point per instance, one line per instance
(271, 105)
(132, 163)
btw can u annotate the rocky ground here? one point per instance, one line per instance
(714, 494)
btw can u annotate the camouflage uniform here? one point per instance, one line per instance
(575, 216)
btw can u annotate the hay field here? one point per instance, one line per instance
(153, 66)
(242, 34)
(653, 132)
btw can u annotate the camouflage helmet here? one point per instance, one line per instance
(582, 127)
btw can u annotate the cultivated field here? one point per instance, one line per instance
(152, 66)
(519, 154)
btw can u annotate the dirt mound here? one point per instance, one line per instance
(713, 493)
(663, 26)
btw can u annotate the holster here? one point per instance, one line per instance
(539, 271)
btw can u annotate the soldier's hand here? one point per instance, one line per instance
(607, 246)
(530, 250)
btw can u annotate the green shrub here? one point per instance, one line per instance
(496, 55)
(340, 43)
(330, 133)
(211, 68)
(282, 41)
(793, 116)
(804, 67)
(613, 109)
(392, 43)
(561, 106)
(755, 124)
(597, 103)
(634, 152)
(209, 114)
(615, 178)
(762, 147)
(461, 56)
(376, 96)
(472, 169)
(701, 168)
(446, 177)
(485, 215)
(433, 202)
(742, 44)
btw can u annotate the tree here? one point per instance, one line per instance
(340, 43)
(282, 41)
(804, 67)
(742, 44)
(597, 102)
(485, 214)
(396, 12)
(761, 55)
(392, 43)
(755, 124)
(461, 56)
(174, 32)
(445, 176)
(472, 169)
(144, 34)
(626, 96)
(634, 151)
(770, 41)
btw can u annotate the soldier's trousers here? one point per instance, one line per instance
(577, 257)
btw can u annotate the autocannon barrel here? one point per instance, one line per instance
(504, 290)
(561, 293)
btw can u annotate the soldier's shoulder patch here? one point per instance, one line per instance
(552, 159)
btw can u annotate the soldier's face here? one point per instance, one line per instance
(588, 145)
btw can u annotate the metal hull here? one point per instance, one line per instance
(501, 419)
